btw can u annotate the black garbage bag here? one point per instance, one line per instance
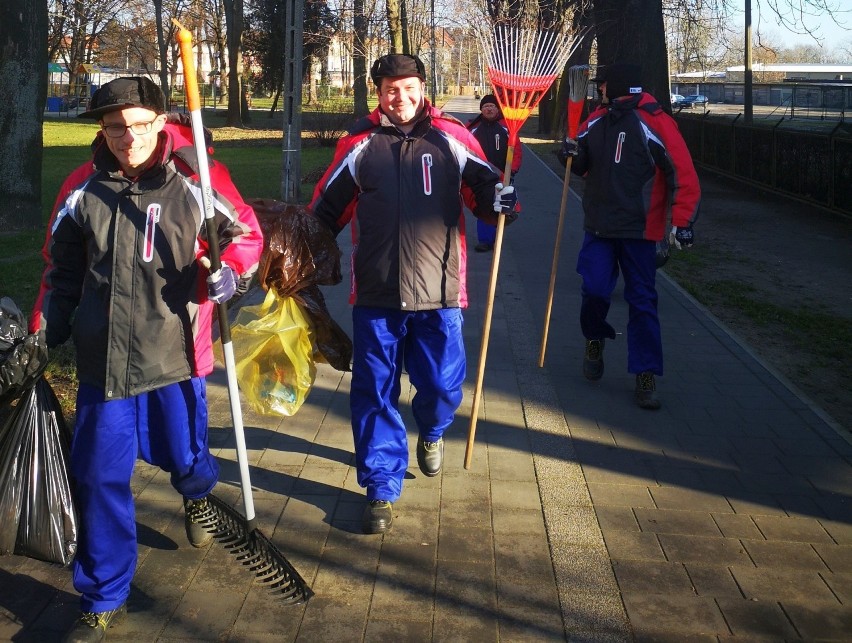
(37, 517)
(23, 357)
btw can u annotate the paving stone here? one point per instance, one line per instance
(515, 495)
(263, 614)
(666, 521)
(793, 529)
(461, 543)
(817, 620)
(630, 545)
(755, 503)
(398, 629)
(712, 580)
(841, 585)
(688, 499)
(204, 615)
(841, 532)
(616, 518)
(776, 553)
(651, 577)
(737, 526)
(699, 549)
(618, 494)
(333, 618)
(779, 584)
(653, 616)
(749, 619)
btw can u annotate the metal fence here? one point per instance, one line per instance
(815, 166)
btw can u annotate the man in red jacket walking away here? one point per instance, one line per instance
(637, 169)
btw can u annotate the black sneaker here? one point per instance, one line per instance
(378, 517)
(593, 364)
(91, 627)
(484, 247)
(646, 391)
(430, 456)
(197, 521)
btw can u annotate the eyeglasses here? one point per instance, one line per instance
(118, 130)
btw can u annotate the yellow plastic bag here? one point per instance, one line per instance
(273, 354)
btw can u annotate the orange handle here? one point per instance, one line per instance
(190, 80)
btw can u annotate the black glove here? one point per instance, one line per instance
(505, 199)
(682, 237)
(569, 148)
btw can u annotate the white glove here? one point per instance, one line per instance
(504, 198)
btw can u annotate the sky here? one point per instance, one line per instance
(830, 33)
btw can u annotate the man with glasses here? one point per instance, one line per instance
(123, 279)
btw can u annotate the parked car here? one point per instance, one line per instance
(676, 98)
(693, 100)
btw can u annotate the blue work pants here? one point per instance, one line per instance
(166, 427)
(598, 264)
(430, 346)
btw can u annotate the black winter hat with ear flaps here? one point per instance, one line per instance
(121, 93)
(622, 79)
(397, 65)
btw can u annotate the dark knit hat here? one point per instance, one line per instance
(395, 65)
(622, 79)
(488, 98)
(121, 93)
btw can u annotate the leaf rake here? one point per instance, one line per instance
(239, 534)
(578, 83)
(522, 65)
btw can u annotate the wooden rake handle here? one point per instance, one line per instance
(559, 226)
(486, 327)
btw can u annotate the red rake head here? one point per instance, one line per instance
(522, 65)
(518, 96)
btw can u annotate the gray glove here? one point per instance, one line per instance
(682, 237)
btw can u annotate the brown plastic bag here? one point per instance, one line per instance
(301, 254)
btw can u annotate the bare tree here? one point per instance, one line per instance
(359, 59)
(234, 22)
(23, 91)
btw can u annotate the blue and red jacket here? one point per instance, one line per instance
(637, 169)
(404, 195)
(122, 274)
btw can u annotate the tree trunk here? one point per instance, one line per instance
(394, 27)
(359, 60)
(234, 21)
(23, 93)
(632, 30)
(162, 49)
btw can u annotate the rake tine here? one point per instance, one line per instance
(256, 552)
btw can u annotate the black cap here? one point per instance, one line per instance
(394, 65)
(488, 98)
(622, 79)
(121, 93)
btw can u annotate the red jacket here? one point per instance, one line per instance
(637, 169)
(122, 274)
(493, 136)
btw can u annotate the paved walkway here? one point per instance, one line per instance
(725, 515)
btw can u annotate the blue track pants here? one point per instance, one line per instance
(430, 346)
(598, 264)
(166, 427)
(485, 232)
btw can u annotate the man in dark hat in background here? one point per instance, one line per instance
(123, 278)
(400, 178)
(490, 129)
(637, 169)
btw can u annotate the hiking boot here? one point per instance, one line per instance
(646, 391)
(430, 456)
(197, 520)
(484, 247)
(378, 517)
(593, 365)
(91, 627)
